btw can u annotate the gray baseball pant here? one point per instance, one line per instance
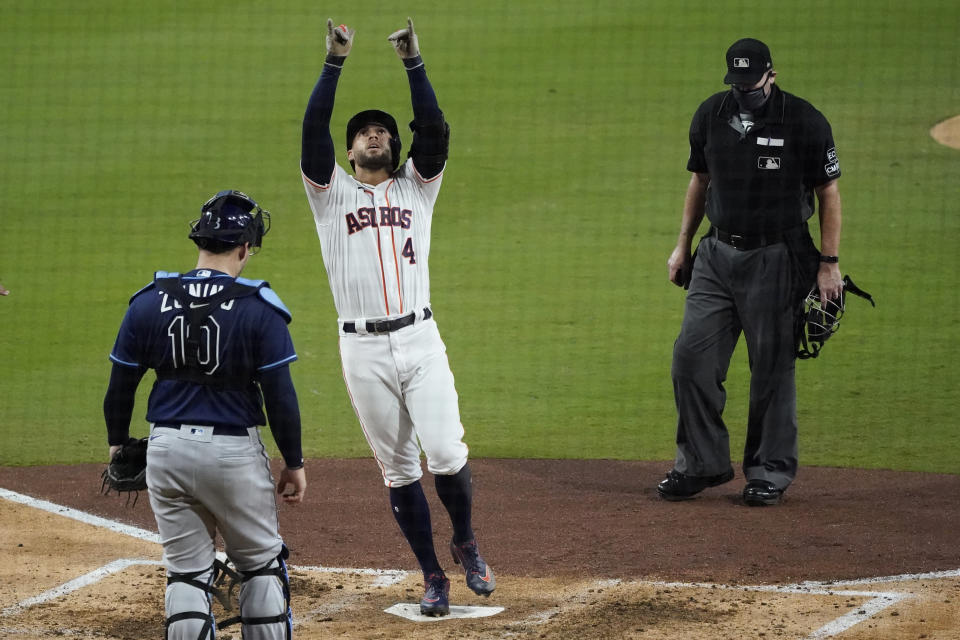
(201, 483)
(733, 292)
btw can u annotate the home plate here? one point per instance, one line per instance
(412, 612)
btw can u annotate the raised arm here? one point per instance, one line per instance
(317, 155)
(431, 134)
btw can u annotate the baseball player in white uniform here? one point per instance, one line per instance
(374, 231)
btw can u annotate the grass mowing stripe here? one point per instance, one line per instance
(560, 205)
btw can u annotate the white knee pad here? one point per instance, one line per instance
(188, 606)
(265, 602)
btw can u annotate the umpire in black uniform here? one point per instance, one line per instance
(758, 155)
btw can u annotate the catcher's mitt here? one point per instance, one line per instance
(127, 471)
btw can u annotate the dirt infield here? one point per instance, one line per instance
(947, 132)
(582, 549)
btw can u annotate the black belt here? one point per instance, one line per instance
(387, 326)
(217, 431)
(746, 243)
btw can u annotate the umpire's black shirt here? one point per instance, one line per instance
(761, 179)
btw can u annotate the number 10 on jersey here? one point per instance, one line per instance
(208, 354)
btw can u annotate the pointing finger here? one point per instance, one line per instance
(410, 25)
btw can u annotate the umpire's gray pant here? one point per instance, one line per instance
(733, 292)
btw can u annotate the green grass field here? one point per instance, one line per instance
(560, 205)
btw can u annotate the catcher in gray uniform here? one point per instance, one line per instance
(220, 347)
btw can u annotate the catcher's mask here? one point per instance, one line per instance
(231, 218)
(820, 319)
(375, 116)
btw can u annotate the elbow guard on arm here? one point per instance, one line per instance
(430, 146)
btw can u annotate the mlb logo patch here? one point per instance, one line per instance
(741, 63)
(196, 433)
(767, 162)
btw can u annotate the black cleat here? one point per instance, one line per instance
(480, 577)
(436, 596)
(759, 493)
(678, 486)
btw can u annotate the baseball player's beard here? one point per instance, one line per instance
(374, 162)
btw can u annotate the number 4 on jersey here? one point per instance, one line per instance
(408, 252)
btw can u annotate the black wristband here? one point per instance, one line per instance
(336, 61)
(830, 259)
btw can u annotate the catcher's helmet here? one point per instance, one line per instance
(230, 218)
(364, 118)
(820, 319)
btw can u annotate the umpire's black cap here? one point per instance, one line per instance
(747, 60)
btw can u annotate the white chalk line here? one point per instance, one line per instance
(930, 575)
(77, 583)
(381, 577)
(81, 516)
(880, 600)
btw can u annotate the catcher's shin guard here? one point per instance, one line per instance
(265, 601)
(188, 606)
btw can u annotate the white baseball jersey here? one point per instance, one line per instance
(375, 241)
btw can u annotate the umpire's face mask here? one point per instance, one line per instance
(753, 99)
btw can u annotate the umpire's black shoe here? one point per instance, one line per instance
(678, 486)
(759, 493)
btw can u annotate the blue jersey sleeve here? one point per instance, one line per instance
(431, 133)
(317, 156)
(276, 345)
(125, 351)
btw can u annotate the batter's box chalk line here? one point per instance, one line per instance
(76, 584)
(878, 600)
(381, 577)
(412, 612)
